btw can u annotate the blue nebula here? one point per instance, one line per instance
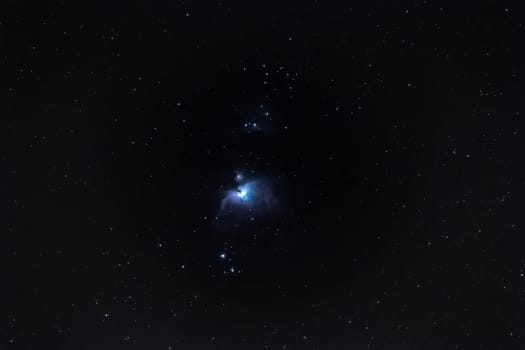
(242, 194)
(253, 196)
(239, 176)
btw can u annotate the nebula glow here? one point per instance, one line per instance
(239, 176)
(255, 195)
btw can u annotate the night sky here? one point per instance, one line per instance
(246, 175)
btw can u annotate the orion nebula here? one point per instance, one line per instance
(253, 197)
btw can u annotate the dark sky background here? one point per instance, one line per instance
(389, 135)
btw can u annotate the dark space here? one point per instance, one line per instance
(262, 175)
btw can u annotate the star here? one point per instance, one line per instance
(239, 177)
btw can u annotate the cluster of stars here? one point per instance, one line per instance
(257, 123)
(251, 198)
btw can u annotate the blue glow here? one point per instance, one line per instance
(250, 196)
